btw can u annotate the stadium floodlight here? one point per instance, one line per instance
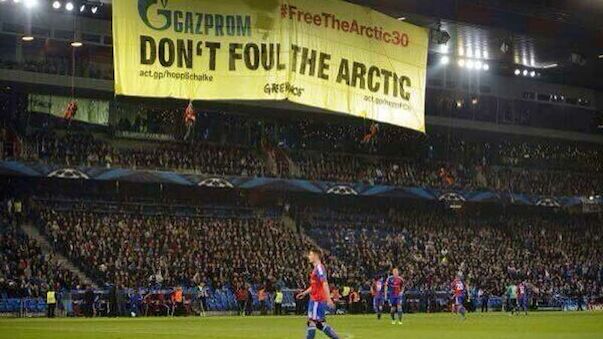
(76, 44)
(94, 9)
(601, 56)
(550, 66)
(470, 64)
(525, 72)
(16, 1)
(461, 63)
(532, 74)
(27, 37)
(486, 67)
(517, 72)
(69, 6)
(478, 65)
(31, 3)
(445, 60)
(56, 5)
(82, 8)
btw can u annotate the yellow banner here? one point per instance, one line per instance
(322, 53)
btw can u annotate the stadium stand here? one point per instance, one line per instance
(157, 246)
(499, 165)
(145, 245)
(504, 186)
(559, 253)
(27, 273)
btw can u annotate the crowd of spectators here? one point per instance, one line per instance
(557, 254)
(136, 247)
(129, 248)
(25, 271)
(444, 175)
(340, 153)
(84, 149)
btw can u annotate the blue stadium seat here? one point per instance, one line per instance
(3, 306)
(14, 305)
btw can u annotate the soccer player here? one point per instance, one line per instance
(512, 297)
(522, 297)
(320, 298)
(458, 291)
(378, 295)
(393, 289)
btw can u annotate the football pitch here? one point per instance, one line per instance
(416, 326)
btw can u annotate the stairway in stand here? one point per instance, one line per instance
(34, 234)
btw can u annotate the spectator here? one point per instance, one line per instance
(89, 299)
(278, 302)
(241, 295)
(51, 302)
(262, 300)
(178, 301)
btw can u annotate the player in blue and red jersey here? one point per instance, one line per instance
(522, 296)
(320, 298)
(378, 293)
(394, 287)
(458, 291)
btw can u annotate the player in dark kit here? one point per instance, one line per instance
(394, 288)
(320, 298)
(522, 297)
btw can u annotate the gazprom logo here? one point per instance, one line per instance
(143, 12)
(156, 15)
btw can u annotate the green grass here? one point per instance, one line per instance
(416, 326)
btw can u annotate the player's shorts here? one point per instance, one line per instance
(394, 301)
(523, 302)
(513, 302)
(459, 300)
(317, 310)
(377, 301)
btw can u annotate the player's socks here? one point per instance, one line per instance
(462, 311)
(330, 332)
(379, 315)
(311, 331)
(393, 315)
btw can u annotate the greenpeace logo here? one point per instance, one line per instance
(157, 16)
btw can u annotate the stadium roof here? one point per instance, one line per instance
(538, 33)
(563, 38)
